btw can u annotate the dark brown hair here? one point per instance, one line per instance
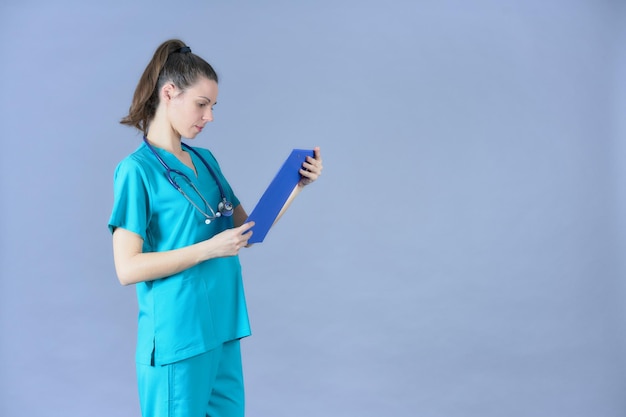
(172, 62)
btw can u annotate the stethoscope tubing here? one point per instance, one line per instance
(224, 201)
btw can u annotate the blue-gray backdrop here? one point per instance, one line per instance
(462, 254)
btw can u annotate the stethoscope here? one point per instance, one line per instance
(224, 208)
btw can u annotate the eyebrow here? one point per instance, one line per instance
(207, 99)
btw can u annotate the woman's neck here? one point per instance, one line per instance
(164, 137)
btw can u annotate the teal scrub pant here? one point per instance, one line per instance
(210, 384)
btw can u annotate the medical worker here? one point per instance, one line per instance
(177, 230)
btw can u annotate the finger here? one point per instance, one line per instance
(247, 236)
(316, 159)
(313, 166)
(318, 153)
(245, 226)
(244, 240)
(308, 175)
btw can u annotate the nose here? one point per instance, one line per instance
(208, 115)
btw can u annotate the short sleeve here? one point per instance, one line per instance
(130, 198)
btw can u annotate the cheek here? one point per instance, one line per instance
(193, 112)
(180, 115)
(175, 112)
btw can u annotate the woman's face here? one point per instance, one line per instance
(191, 110)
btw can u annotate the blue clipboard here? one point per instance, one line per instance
(274, 198)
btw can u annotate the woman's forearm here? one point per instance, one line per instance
(133, 266)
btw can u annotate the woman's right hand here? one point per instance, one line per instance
(230, 241)
(133, 265)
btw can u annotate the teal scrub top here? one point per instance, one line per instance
(198, 309)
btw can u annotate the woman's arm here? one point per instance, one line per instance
(310, 171)
(239, 216)
(133, 266)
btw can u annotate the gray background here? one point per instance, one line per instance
(460, 256)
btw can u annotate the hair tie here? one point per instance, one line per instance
(183, 50)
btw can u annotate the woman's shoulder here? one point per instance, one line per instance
(135, 161)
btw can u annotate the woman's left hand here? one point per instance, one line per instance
(311, 168)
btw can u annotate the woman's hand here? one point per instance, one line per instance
(230, 241)
(133, 266)
(311, 168)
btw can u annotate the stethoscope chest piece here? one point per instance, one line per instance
(225, 208)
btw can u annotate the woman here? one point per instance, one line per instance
(177, 230)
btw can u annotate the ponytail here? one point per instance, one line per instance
(172, 62)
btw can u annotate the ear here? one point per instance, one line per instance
(168, 92)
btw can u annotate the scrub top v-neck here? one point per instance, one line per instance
(198, 309)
